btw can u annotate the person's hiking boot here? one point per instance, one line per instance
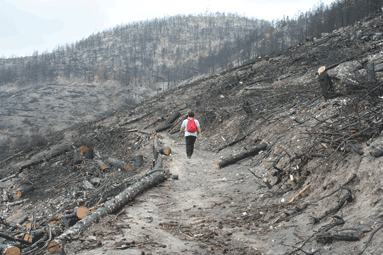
(189, 157)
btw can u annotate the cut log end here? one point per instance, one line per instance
(24, 190)
(83, 149)
(29, 225)
(101, 164)
(167, 151)
(54, 246)
(28, 238)
(82, 212)
(12, 251)
(53, 222)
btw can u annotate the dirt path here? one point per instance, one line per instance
(156, 216)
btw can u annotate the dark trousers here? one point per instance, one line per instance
(190, 140)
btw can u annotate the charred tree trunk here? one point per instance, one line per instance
(101, 164)
(173, 118)
(164, 128)
(140, 131)
(89, 154)
(169, 122)
(233, 159)
(118, 163)
(135, 119)
(39, 161)
(154, 122)
(138, 160)
(20, 192)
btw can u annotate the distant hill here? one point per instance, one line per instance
(157, 53)
(117, 68)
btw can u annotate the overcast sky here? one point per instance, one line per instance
(29, 25)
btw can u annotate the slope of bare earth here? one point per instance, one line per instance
(54, 107)
(323, 150)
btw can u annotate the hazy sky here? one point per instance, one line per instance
(28, 25)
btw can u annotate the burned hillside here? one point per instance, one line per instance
(309, 178)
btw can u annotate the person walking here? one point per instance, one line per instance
(192, 128)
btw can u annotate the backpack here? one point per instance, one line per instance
(191, 126)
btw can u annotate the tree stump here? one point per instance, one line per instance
(89, 154)
(138, 160)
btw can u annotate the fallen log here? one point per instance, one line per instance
(101, 164)
(164, 128)
(232, 143)
(173, 118)
(160, 149)
(50, 156)
(11, 157)
(354, 148)
(350, 235)
(377, 154)
(140, 131)
(16, 203)
(58, 153)
(110, 206)
(29, 165)
(20, 192)
(135, 119)
(9, 177)
(177, 125)
(154, 122)
(13, 239)
(259, 80)
(169, 122)
(20, 222)
(118, 163)
(8, 249)
(232, 160)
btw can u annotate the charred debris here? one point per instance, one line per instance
(270, 110)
